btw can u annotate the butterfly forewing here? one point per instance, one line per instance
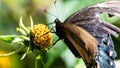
(92, 12)
(81, 40)
(88, 18)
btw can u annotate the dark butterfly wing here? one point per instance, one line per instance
(89, 16)
(75, 37)
(106, 52)
(91, 12)
(88, 19)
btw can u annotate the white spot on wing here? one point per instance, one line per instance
(111, 53)
(102, 5)
(108, 43)
(111, 63)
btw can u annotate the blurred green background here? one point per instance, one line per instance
(59, 56)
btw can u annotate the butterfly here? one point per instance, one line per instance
(89, 37)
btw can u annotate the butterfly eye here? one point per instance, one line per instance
(57, 21)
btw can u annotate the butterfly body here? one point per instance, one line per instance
(89, 37)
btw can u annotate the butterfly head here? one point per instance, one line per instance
(57, 21)
(58, 25)
(59, 28)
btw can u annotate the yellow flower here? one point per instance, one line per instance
(5, 62)
(41, 36)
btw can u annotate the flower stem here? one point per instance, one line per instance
(36, 63)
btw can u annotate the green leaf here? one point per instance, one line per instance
(24, 55)
(21, 31)
(31, 22)
(7, 38)
(22, 26)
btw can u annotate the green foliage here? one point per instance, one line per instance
(7, 38)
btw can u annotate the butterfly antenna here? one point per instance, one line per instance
(49, 23)
(50, 13)
(56, 8)
(55, 2)
(49, 31)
